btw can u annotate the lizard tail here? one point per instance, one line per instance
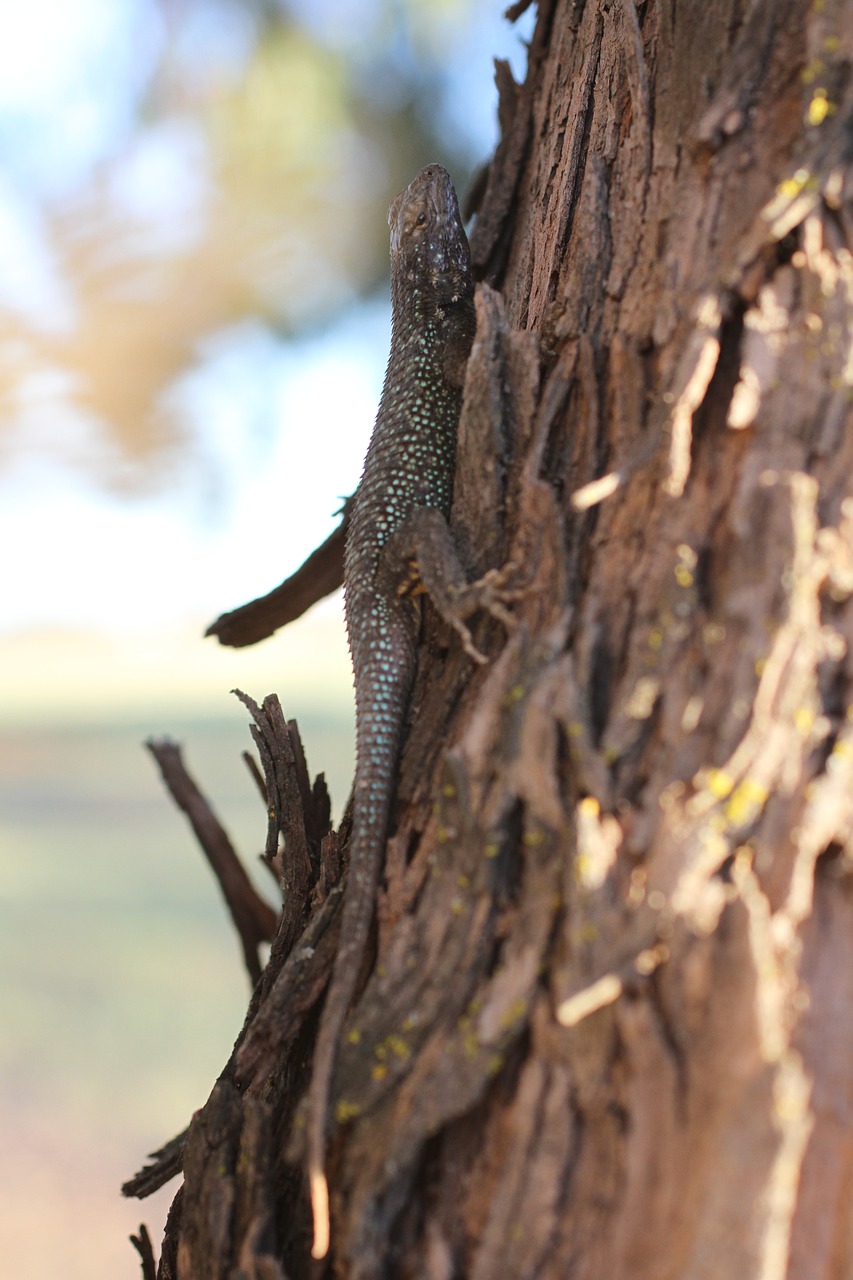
(372, 807)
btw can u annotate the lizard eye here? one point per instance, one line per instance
(421, 219)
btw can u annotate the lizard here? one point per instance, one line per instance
(398, 523)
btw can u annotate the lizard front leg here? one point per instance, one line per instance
(421, 556)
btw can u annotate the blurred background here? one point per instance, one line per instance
(193, 332)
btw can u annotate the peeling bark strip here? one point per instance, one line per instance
(608, 1027)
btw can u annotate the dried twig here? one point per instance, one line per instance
(320, 575)
(253, 918)
(142, 1245)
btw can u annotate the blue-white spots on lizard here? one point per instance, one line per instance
(409, 465)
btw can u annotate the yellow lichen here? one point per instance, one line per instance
(813, 68)
(398, 1046)
(790, 187)
(533, 838)
(719, 783)
(746, 801)
(819, 108)
(514, 1014)
(804, 720)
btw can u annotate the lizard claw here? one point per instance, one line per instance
(468, 643)
(490, 593)
(494, 594)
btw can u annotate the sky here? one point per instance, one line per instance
(280, 430)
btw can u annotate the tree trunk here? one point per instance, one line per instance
(608, 1028)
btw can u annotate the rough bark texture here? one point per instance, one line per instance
(608, 1029)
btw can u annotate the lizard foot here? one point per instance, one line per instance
(490, 593)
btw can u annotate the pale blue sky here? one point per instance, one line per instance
(280, 430)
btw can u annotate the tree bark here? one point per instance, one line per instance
(608, 1027)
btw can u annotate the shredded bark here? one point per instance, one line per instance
(605, 1027)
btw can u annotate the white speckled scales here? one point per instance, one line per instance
(408, 468)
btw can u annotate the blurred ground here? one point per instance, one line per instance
(122, 981)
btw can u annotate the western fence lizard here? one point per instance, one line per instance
(399, 520)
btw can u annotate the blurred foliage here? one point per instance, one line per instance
(251, 183)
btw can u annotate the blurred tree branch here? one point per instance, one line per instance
(248, 188)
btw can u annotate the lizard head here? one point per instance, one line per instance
(428, 241)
